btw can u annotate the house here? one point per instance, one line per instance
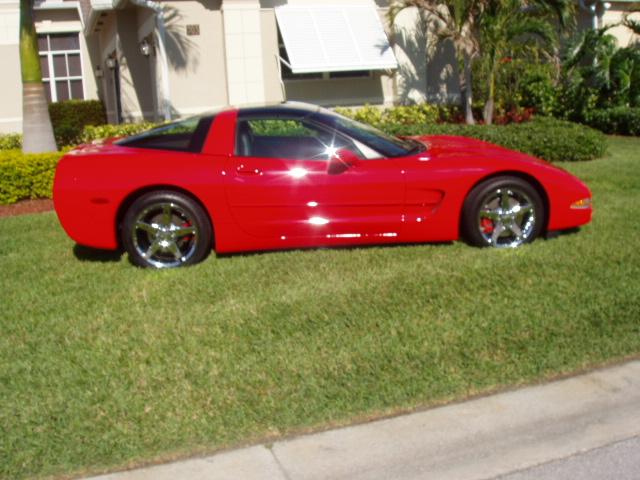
(158, 60)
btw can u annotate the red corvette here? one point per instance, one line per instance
(295, 175)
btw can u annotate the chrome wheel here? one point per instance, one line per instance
(503, 212)
(507, 218)
(164, 235)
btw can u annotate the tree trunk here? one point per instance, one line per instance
(489, 107)
(36, 123)
(466, 89)
(37, 133)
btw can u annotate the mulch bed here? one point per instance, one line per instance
(26, 206)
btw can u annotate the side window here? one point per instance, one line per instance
(288, 138)
(186, 136)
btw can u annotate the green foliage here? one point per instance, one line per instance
(99, 132)
(69, 118)
(402, 115)
(508, 31)
(547, 138)
(617, 120)
(10, 141)
(520, 84)
(26, 176)
(599, 74)
(538, 89)
(279, 128)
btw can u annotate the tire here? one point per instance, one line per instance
(502, 212)
(166, 229)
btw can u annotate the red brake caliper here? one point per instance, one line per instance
(487, 225)
(186, 237)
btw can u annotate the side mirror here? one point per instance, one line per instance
(342, 161)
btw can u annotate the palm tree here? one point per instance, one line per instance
(463, 22)
(600, 74)
(455, 20)
(632, 24)
(508, 29)
(36, 123)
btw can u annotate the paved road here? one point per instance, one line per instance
(535, 431)
(619, 461)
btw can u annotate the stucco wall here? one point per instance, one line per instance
(135, 70)
(11, 78)
(614, 15)
(197, 63)
(11, 88)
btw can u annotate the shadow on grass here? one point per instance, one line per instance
(252, 253)
(87, 254)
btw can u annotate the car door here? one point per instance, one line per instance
(283, 184)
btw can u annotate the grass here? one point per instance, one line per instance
(103, 365)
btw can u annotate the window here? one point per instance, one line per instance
(289, 139)
(61, 66)
(186, 135)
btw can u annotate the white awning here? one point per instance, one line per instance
(334, 38)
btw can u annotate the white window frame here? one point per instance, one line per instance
(52, 78)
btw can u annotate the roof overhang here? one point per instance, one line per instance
(92, 11)
(334, 38)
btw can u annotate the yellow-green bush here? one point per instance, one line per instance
(10, 141)
(26, 176)
(401, 115)
(100, 132)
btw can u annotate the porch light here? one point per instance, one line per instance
(145, 48)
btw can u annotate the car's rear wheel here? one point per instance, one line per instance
(502, 212)
(166, 229)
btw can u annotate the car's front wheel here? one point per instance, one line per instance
(502, 212)
(166, 229)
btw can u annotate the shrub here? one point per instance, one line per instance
(69, 118)
(26, 176)
(100, 132)
(620, 120)
(10, 141)
(546, 138)
(402, 114)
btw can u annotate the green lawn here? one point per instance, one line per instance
(103, 365)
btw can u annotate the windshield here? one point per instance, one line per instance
(384, 143)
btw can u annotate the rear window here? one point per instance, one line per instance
(183, 136)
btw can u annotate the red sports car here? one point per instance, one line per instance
(295, 175)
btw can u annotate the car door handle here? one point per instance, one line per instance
(244, 170)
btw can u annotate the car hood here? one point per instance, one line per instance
(448, 147)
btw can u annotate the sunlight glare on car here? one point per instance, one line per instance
(318, 221)
(331, 151)
(298, 172)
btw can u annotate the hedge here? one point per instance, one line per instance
(69, 118)
(402, 114)
(547, 138)
(617, 120)
(10, 141)
(26, 176)
(100, 132)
